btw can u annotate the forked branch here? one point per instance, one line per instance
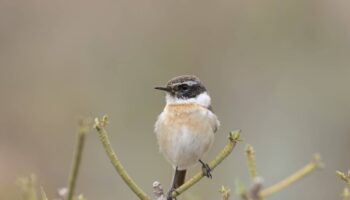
(233, 137)
(100, 125)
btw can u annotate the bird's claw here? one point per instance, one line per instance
(206, 169)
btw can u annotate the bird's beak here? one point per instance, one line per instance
(163, 88)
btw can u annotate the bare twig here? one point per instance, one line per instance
(251, 161)
(43, 194)
(344, 176)
(254, 191)
(82, 130)
(81, 197)
(345, 194)
(312, 166)
(100, 125)
(28, 187)
(225, 193)
(234, 137)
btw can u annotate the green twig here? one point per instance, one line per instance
(83, 129)
(28, 187)
(345, 194)
(251, 161)
(344, 176)
(312, 166)
(43, 194)
(100, 125)
(225, 193)
(234, 137)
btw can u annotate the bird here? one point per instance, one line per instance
(185, 128)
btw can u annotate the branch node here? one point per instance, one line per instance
(318, 161)
(225, 192)
(101, 123)
(235, 136)
(343, 176)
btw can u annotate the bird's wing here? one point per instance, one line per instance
(214, 122)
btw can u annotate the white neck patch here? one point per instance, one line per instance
(203, 99)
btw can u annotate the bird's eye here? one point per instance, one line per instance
(183, 87)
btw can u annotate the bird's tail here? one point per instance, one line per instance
(179, 178)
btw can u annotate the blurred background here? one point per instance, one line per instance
(278, 70)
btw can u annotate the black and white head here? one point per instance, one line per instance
(186, 89)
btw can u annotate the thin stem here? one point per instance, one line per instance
(83, 129)
(28, 187)
(103, 135)
(344, 176)
(225, 193)
(100, 125)
(234, 137)
(43, 194)
(251, 161)
(312, 166)
(345, 194)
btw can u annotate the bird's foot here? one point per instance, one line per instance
(170, 193)
(206, 169)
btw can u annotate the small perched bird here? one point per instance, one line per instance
(185, 129)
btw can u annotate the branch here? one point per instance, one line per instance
(251, 161)
(82, 130)
(225, 193)
(28, 187)
(346, 178)
(312, 166)
(345, 194)
(234, 137)
(100, 125)
(43, 194)
(254, 191)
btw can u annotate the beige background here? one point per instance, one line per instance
(278, 70)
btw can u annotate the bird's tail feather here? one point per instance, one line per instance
(179, 178)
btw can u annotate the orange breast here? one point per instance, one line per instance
(192, 119)
(193, 116)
